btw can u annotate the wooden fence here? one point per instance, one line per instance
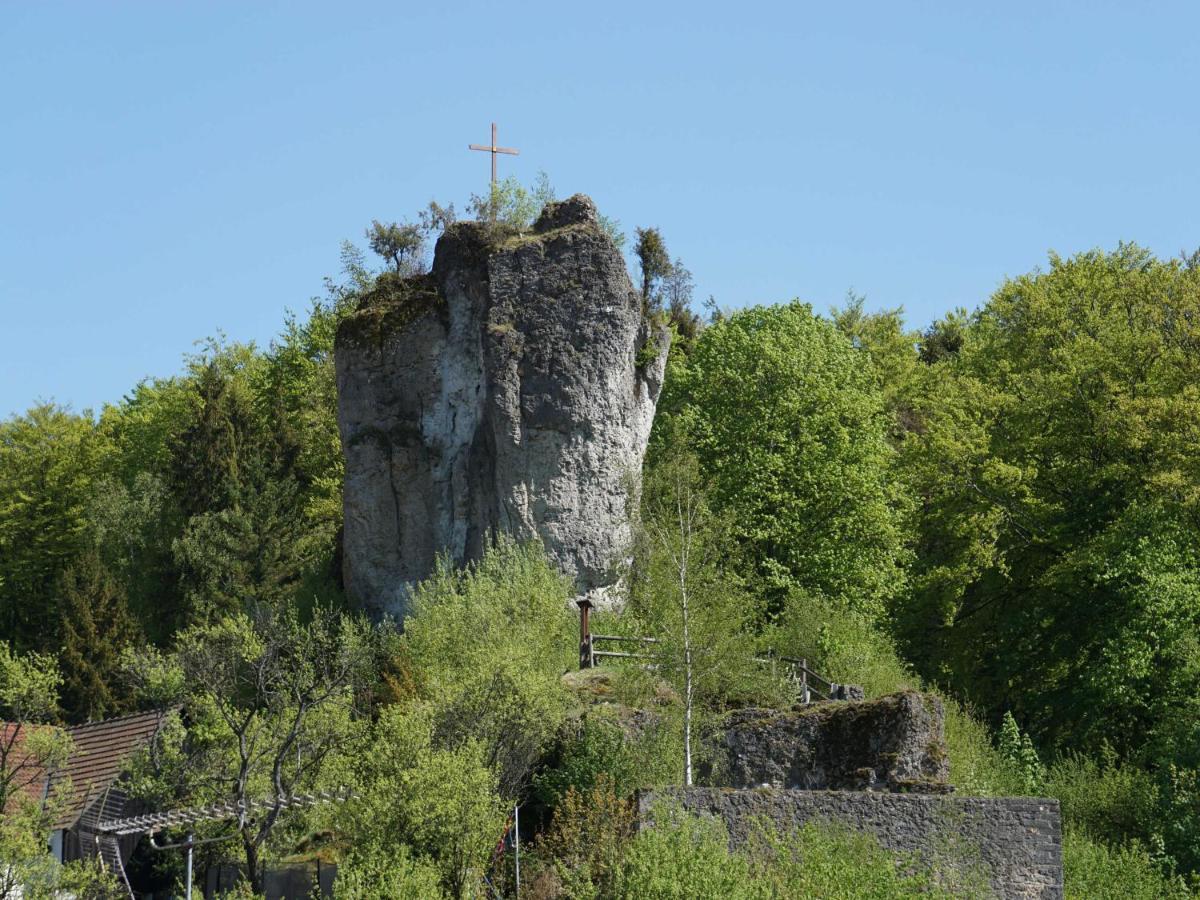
(593, 649)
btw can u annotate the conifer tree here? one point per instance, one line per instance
(96, 628)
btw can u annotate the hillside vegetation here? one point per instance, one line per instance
(1004, 508)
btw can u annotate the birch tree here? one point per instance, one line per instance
(686, 591)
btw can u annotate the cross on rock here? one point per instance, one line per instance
(493, 149)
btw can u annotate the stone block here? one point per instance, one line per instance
(893, 743)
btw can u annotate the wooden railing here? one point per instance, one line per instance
(808, 683)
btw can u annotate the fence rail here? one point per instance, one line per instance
(808, 682)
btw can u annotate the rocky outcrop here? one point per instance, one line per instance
(893, 743)
(510, 391)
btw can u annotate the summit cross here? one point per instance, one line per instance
(493, 149)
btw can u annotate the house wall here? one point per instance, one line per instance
(56, 845)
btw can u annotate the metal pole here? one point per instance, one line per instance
(517, 845)
(188, 882)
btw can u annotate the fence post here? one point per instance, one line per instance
(804, 698)
(585, 634)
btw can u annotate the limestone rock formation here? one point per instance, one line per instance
(893, 743)
(510, 391)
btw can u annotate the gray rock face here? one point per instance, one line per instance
(893, 743)
(511, 391)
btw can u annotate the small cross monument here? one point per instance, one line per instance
(493, 149)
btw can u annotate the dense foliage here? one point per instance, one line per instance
(1004, 508)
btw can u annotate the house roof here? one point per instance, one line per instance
(101, 749)
(30, 775)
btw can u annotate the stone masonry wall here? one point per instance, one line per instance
(1017, 840)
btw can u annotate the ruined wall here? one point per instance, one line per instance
(1016, 840)
(511, 391)
(892, 743)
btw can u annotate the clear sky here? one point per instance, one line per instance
(168, 170)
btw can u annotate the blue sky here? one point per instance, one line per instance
(168, 170)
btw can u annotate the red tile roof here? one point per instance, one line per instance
(29, 775)
(101, 749)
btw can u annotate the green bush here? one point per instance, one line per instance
(486, 647)
(1104, 800)
(391, 873)
(1095, 871)
(442, 804)
(584, 845)
(602, 748)
(834, 863)
(686, 858)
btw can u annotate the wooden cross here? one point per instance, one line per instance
(493, 149)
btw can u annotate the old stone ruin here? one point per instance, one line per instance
(510, 391)
(877, 766)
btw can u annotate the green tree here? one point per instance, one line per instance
(486, 648)
(402, 245)
(1060, 504)
(689, 595)
(135, 525)
(439, 805)
(236, 472)
(267, 700)
(48, 459)
(788, 424)
(30, 746)
(677, 288)
(655, 263)
(96, 628)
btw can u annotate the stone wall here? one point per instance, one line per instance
(1016, 840)
(890, 743)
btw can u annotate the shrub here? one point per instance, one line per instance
(834, 863)
(487, 647)
(392, 873)
(687, 858)
(584, 844)
(1095, 871)
(1104, 800)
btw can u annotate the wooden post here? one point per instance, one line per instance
(804, 681)
(586, 660)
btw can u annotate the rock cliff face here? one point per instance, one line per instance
(510, 391)
(893, 743)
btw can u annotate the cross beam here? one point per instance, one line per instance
(493, 149)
